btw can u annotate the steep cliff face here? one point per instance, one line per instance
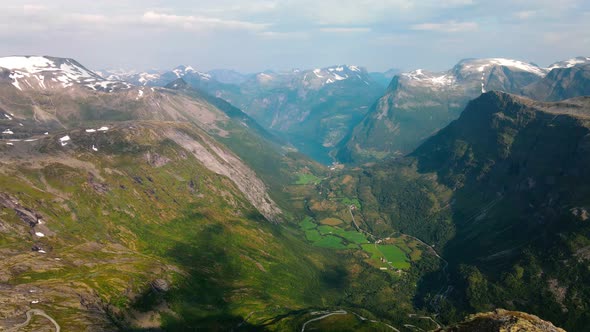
(562, 83)
(523, 155)
(221, 161)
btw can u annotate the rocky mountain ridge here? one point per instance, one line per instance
(43, 72)
(82, 104)
(419, 103)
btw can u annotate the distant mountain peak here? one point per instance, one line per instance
(342, 68)
(580, 60)
(179, 84)
(45, 72)
(481, 65)
(183, 70)
(333, 74)
(472, 70)
(425, 77)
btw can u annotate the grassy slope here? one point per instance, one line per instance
(179, 215)
(117, 223)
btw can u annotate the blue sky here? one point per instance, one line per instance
(269, 34)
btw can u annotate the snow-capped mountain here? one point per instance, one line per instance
(43, 72)
(577, 61)
(332, 75)
(490, 73)
(567, 79)
(218, 80)
(313, 108)
(418, 103)
(312, 78)
(156, 77)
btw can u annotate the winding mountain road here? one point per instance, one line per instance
(30, 315)
(327, 314)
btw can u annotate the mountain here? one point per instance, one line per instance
(497, 194)
(147, 208)
(312, 109)
(514, 165)
(567, 79)
(228, 76)
(419, 103)
(581, 60)
(384, 78)
(157, 78)
(43, 80)
(169, 208)
(29, 73)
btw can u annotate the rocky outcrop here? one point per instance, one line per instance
(503, 321)
(160, 285)
(25, 214)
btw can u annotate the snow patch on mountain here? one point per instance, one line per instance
(340, 78)
(317, 73)
(481, 65)
(35, 72)
(570, 63)
(334, 74)
(424, 77)
(145, 78)
(182, 71)
(64, 140)
(28, 64)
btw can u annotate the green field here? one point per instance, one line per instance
(350, 236)
(391, 254)
(312, 235)
(307, 224)
(306, 178)
(355, 201)
(337, 238)
(331, 237)
(330, 241)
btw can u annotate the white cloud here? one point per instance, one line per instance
(88, 18)
(525, 14)
(198, 22)
(250, 7)
(346, 30)
(283, 32)
(33, 8)
(283, 35)
(449, 27)
(366, 12)
(343, 12)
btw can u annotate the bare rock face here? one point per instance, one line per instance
(226, 163)
(160, 285)
(503, 321)
(27, 215)
(156, 160)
